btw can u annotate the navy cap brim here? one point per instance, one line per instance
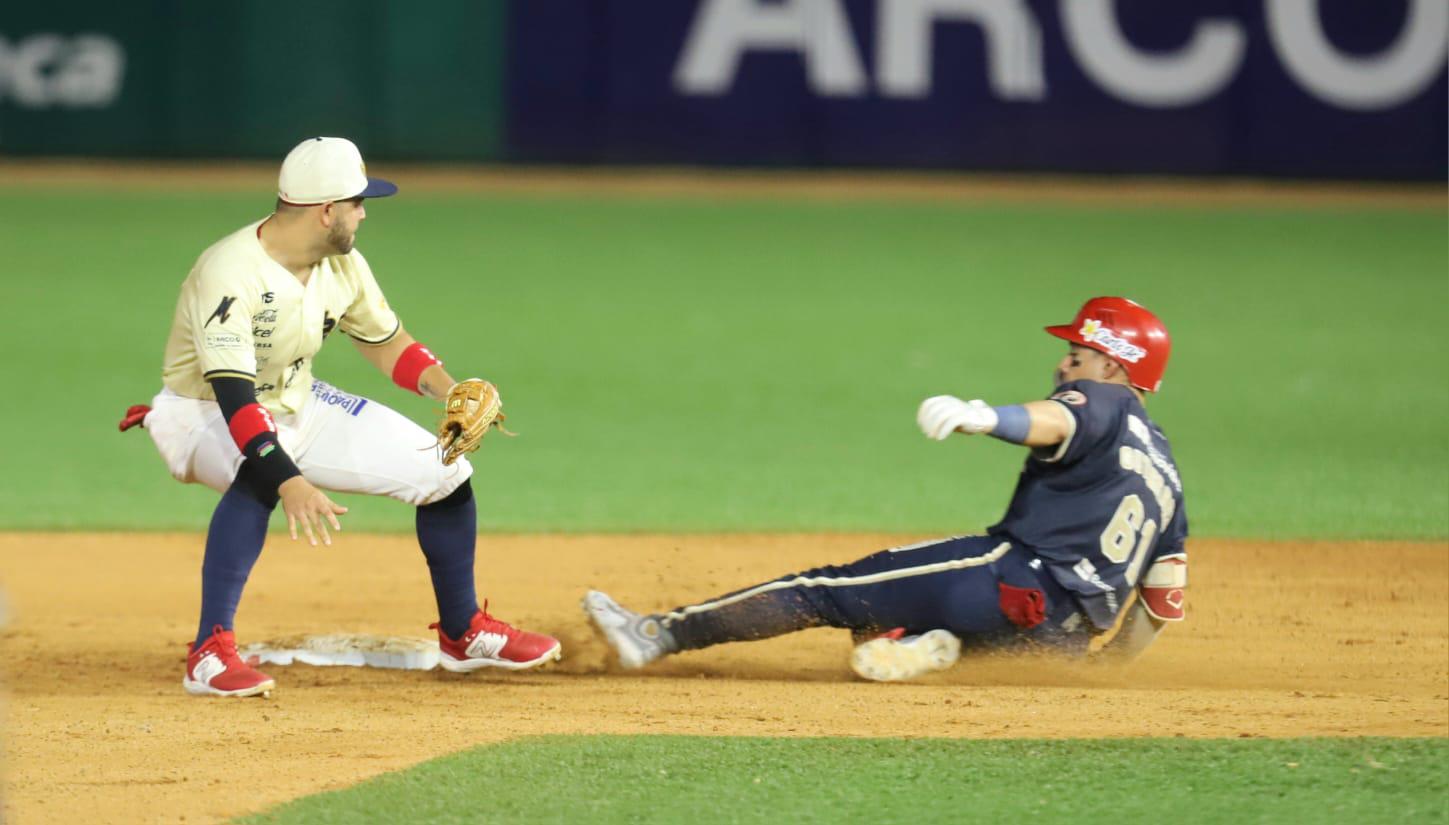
(377, 188)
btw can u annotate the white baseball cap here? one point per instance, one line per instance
(323, 169)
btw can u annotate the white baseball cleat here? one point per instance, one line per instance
(894, 656)
(637, 639)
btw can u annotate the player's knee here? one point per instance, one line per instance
(459, 497)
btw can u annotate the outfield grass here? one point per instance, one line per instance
(689, 779)
(756, 366)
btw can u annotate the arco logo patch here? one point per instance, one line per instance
(1073, 397)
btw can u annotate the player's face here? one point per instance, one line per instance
(1082, 364)
(346, 217)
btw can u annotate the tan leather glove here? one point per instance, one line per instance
(472, 407)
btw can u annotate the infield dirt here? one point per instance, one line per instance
(1283, 639)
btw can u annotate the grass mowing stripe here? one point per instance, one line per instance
(604, 779)
(756, 366)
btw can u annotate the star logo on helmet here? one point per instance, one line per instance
(1089, 328)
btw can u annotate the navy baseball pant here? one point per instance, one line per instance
(981, 588)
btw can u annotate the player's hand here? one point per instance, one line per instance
(472, 408)
(941, 415)
(306, 505)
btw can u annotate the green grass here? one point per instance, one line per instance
(689, 779)
(756, 366)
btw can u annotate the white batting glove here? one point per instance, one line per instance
(941, 415)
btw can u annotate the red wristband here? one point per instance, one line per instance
(410, 365)
(248, 423)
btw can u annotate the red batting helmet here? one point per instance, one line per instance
(1127, 332)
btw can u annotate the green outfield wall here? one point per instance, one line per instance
(171, 79)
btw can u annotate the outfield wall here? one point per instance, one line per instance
(167, 78)
(1278, 88)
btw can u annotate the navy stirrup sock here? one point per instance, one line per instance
(763, 616)
(448, 534)
(233, 542)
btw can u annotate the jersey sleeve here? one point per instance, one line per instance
(368, 319)
(1094, 411)
(1173, 541)
(221, 319)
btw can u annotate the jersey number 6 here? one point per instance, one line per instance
(1127, 537)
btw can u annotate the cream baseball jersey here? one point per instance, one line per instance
(242, 315)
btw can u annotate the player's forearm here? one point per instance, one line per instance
(1050, 424)
(435, 382)
(410, 365)
(1135, 632)
(1034, 424)
(384, 356)
(253, 431)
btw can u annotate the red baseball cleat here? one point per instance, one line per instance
(215, 669)
(489, 642)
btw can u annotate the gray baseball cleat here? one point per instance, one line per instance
(894, 656)
(637, 639)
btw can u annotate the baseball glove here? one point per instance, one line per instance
(472, 407)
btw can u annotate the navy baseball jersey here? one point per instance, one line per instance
(1100, 507)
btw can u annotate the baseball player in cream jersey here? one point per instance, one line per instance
(242, 413)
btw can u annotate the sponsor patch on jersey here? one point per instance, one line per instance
(224, 341)
(1073, 397)
(1120, 348)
